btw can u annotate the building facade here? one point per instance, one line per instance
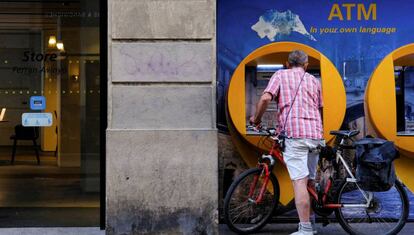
(108, 116)
(114, 113)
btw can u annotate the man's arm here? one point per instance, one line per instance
(320, 98)
(261, 108)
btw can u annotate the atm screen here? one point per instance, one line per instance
(404, 89)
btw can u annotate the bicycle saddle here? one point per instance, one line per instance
(345, 133)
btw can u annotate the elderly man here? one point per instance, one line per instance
(299, 98)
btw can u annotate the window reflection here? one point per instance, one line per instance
(50, 49)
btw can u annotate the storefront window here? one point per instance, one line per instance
(50, 120)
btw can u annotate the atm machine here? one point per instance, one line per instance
(404, 90)
(257, 75)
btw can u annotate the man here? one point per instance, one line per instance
(299, 98)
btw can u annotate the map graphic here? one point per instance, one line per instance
(273, 24)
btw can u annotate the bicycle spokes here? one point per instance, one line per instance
(251, 202)
(371, 212)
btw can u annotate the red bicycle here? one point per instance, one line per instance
(253, 197)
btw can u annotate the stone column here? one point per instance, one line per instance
(161, 139)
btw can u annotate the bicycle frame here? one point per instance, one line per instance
(275, 152)
(351, 178)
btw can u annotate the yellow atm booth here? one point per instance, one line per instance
(383, 99)
(249, 80)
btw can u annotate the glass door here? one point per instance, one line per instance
(50, 113)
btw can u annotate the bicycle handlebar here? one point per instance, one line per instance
(263, 131)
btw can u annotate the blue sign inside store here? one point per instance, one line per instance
(37, 119)
(37, 103)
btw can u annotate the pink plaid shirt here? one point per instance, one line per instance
(304, 120)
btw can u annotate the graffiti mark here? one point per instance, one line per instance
(163, 63)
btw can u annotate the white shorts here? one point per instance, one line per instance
(301, 157)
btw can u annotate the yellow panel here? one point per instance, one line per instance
(380, 98)
(334, 98)
(380, 101)
(236, 96)
(404, 168)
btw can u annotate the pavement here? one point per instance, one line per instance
(330, 229)
(52, 231)
(270, 229)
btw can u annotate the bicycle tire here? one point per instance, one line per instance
(380, 205)
(237, 188)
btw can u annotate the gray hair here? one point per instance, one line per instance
(297, 58)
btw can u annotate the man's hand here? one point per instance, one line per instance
(252, 122)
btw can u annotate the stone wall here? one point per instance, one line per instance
(230, 166)
(162, 167)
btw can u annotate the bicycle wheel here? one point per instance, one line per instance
(241, 213)
(386, 214)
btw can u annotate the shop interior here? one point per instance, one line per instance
(49, 172)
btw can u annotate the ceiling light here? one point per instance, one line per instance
(59, 46)
(270, 66)
(52, 41)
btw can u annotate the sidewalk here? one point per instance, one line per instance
(51, 231)
(271, 229)
(286, 229)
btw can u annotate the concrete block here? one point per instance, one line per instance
(161, 182)
(155, 19)
(162, 62)
(162, 107)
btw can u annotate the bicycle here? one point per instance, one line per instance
(253, 197)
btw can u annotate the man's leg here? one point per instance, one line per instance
(302, 199)
(313, 158)
(302, 206)
(296, 159)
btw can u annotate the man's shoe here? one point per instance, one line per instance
(301, 232)
(314, 230)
